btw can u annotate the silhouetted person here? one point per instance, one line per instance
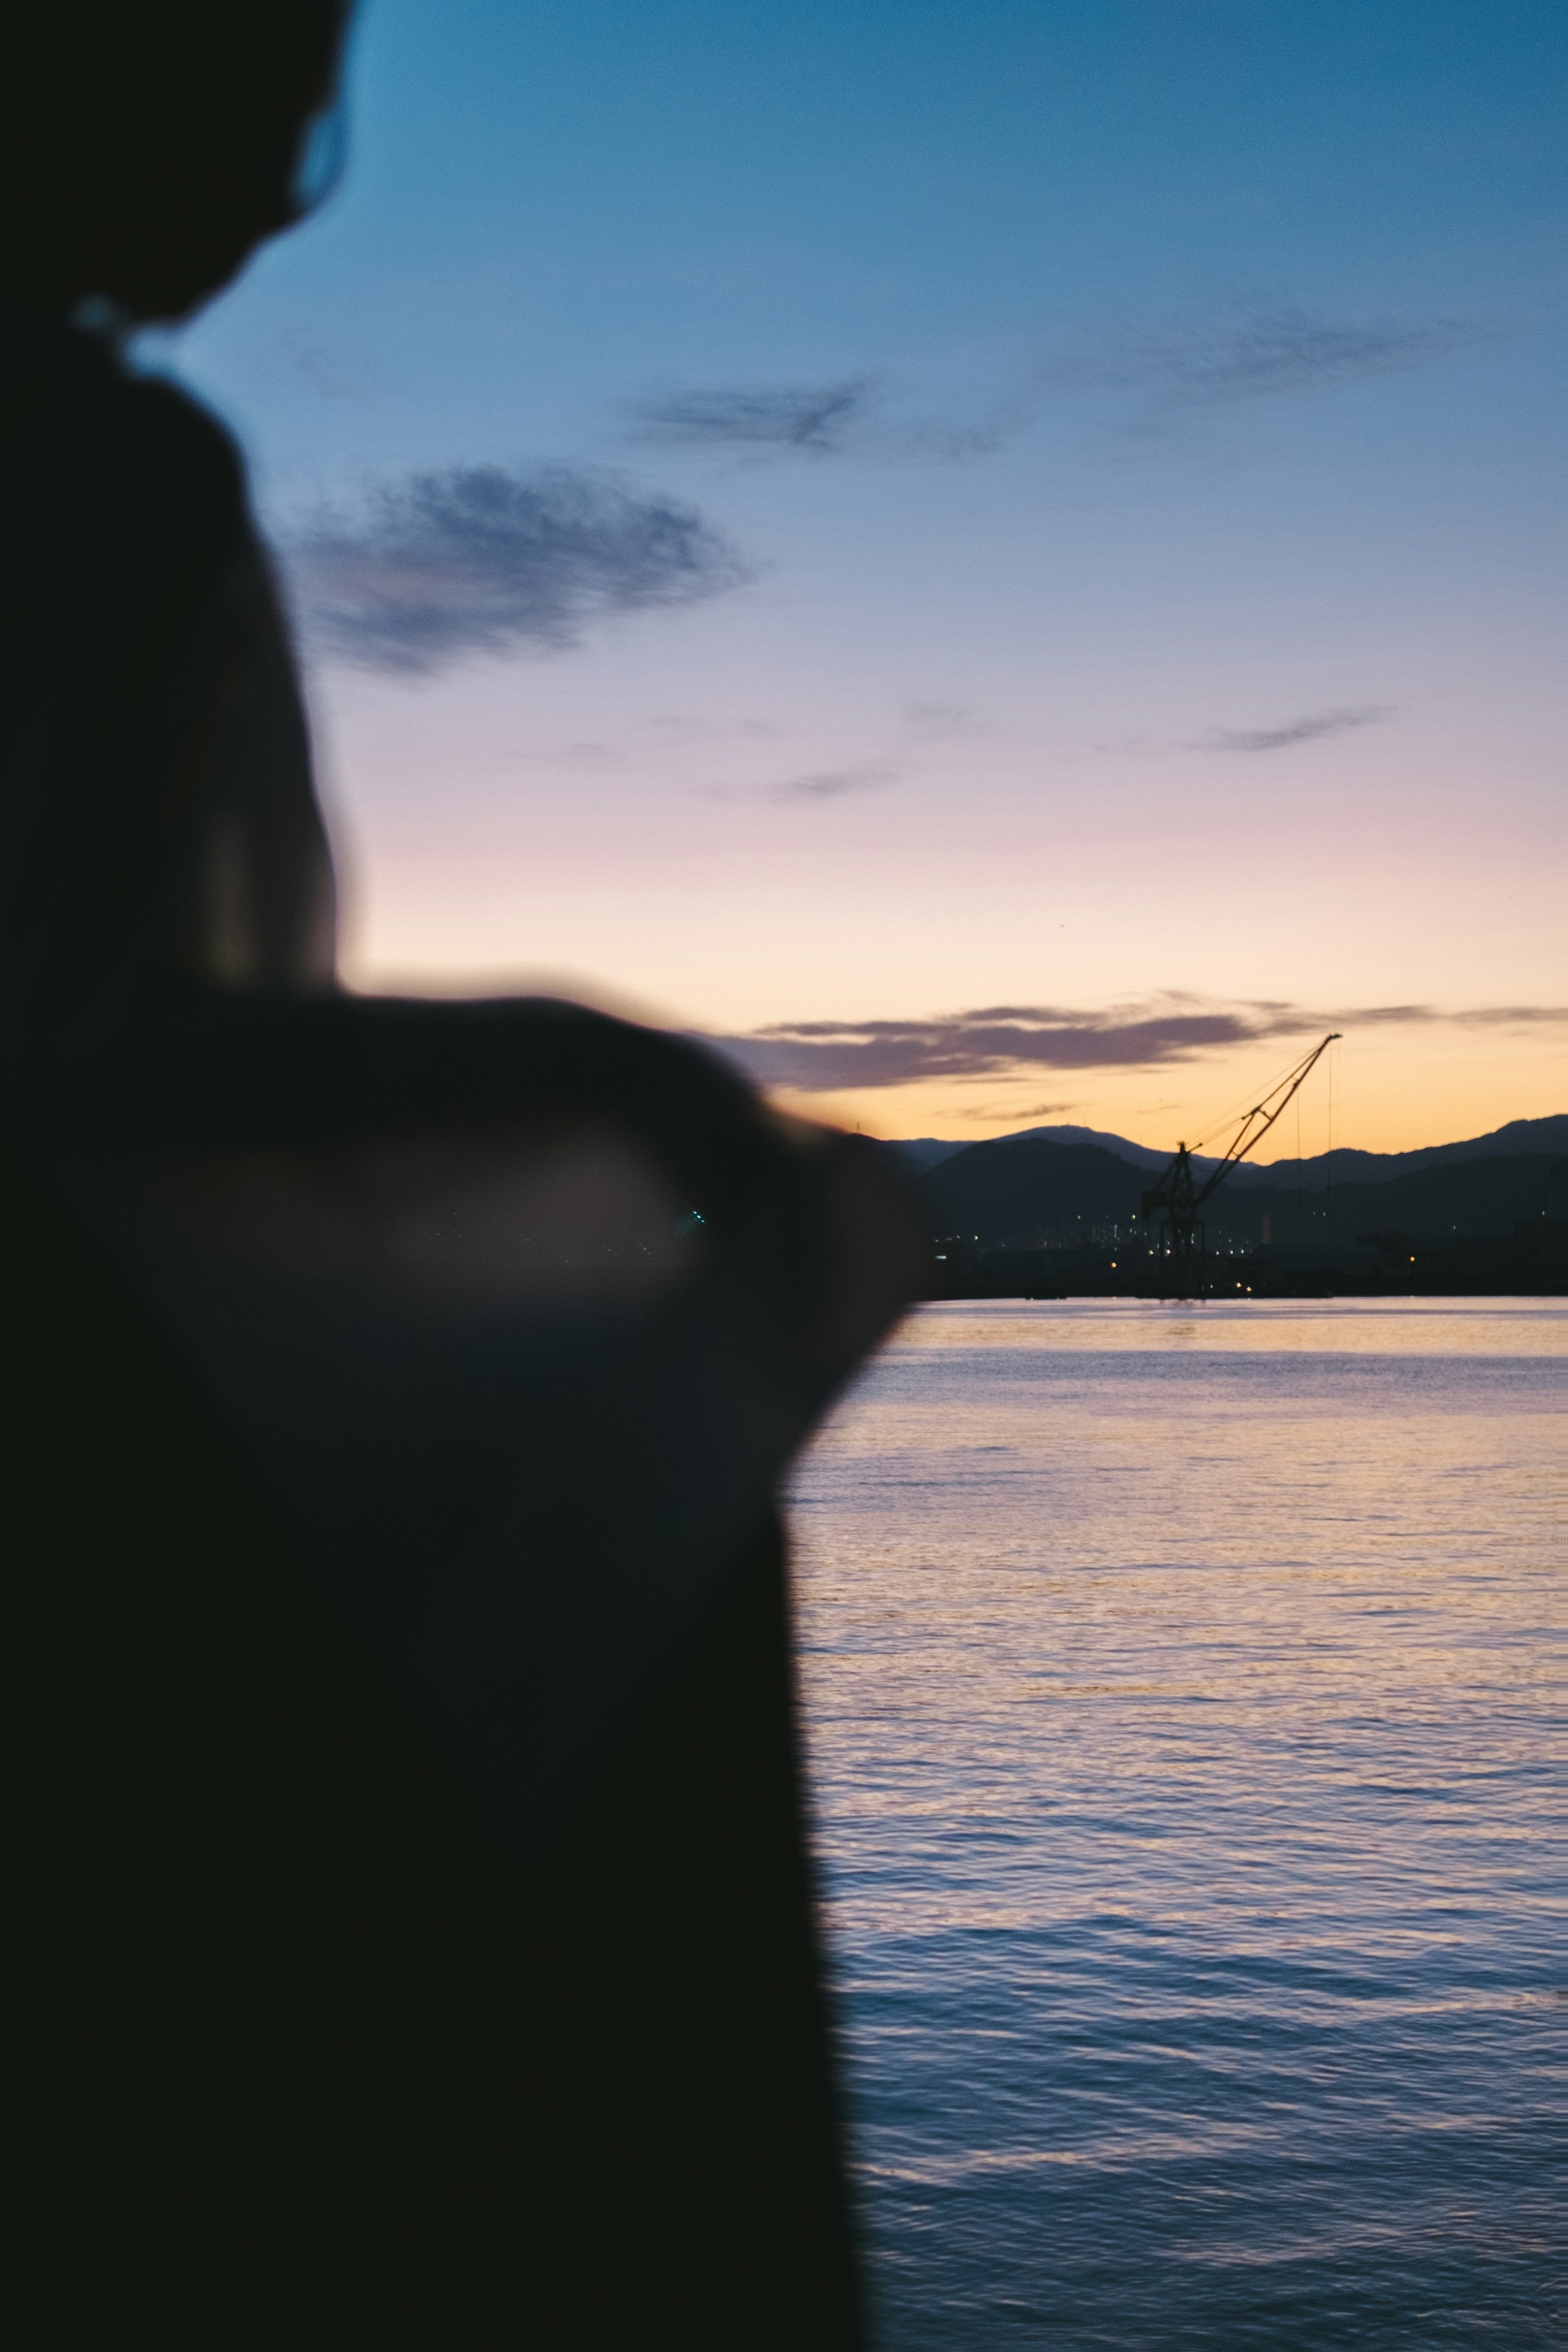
(416, 1942)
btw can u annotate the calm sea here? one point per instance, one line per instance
(1186, 1751)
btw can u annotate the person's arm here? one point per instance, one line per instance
(182, 1068)
(168, 913)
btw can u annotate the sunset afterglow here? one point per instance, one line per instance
(988, 510)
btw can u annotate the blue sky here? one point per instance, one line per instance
(816, 517)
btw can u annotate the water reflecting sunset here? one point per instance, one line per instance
(1179, 1690)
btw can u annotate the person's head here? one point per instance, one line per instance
(148, 146)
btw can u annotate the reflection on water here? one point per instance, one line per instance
(1184, 1732)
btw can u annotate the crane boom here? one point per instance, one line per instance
(1248, 1136)
(1175, 1201)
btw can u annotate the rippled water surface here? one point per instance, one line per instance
(1185, 1742)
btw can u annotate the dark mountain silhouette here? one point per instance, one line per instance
(1022, 1191)
(925, 1151)
(1519, 1136)
(1468, 1199)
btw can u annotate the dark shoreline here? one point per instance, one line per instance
(1477, 1270)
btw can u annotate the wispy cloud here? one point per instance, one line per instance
(557, 755)
(834, 785)
(1248, 351)
(689, 726)
(989, 1113)
(1254, 354)
(1512, 1016)
(942, 723)
(1313, 727)
(830, 1057)
(814, 423)
(829, 785)
(840, 1056)
(1310, 729)
(479, 560)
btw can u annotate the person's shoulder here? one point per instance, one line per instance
(114, 458)
(159, 430)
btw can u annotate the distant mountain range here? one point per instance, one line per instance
(1050, 1185)
(1521, 1134)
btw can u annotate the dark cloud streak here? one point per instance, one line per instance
(1310, 729)
(1255, 354)
(831, 785)
(834, 785)
(813, 424)
(481, 559)
(1248, 351)
(995, 1041)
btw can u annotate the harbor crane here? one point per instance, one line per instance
(1175, 1201)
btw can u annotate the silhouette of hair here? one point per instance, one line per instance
(146, 149)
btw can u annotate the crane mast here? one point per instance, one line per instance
(1176, 1200)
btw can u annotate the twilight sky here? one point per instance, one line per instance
(1007, 556)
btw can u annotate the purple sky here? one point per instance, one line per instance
(830, 525)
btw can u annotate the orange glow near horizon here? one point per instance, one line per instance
(1401, 1093)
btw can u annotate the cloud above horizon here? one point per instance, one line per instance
(806, 792)
(1312, 729)
(984, 1113)
(943, 722)
(1255, 353)
(1243, 352)
(810, 422)
(480, 559)
(843, 1056)
(837, 784)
